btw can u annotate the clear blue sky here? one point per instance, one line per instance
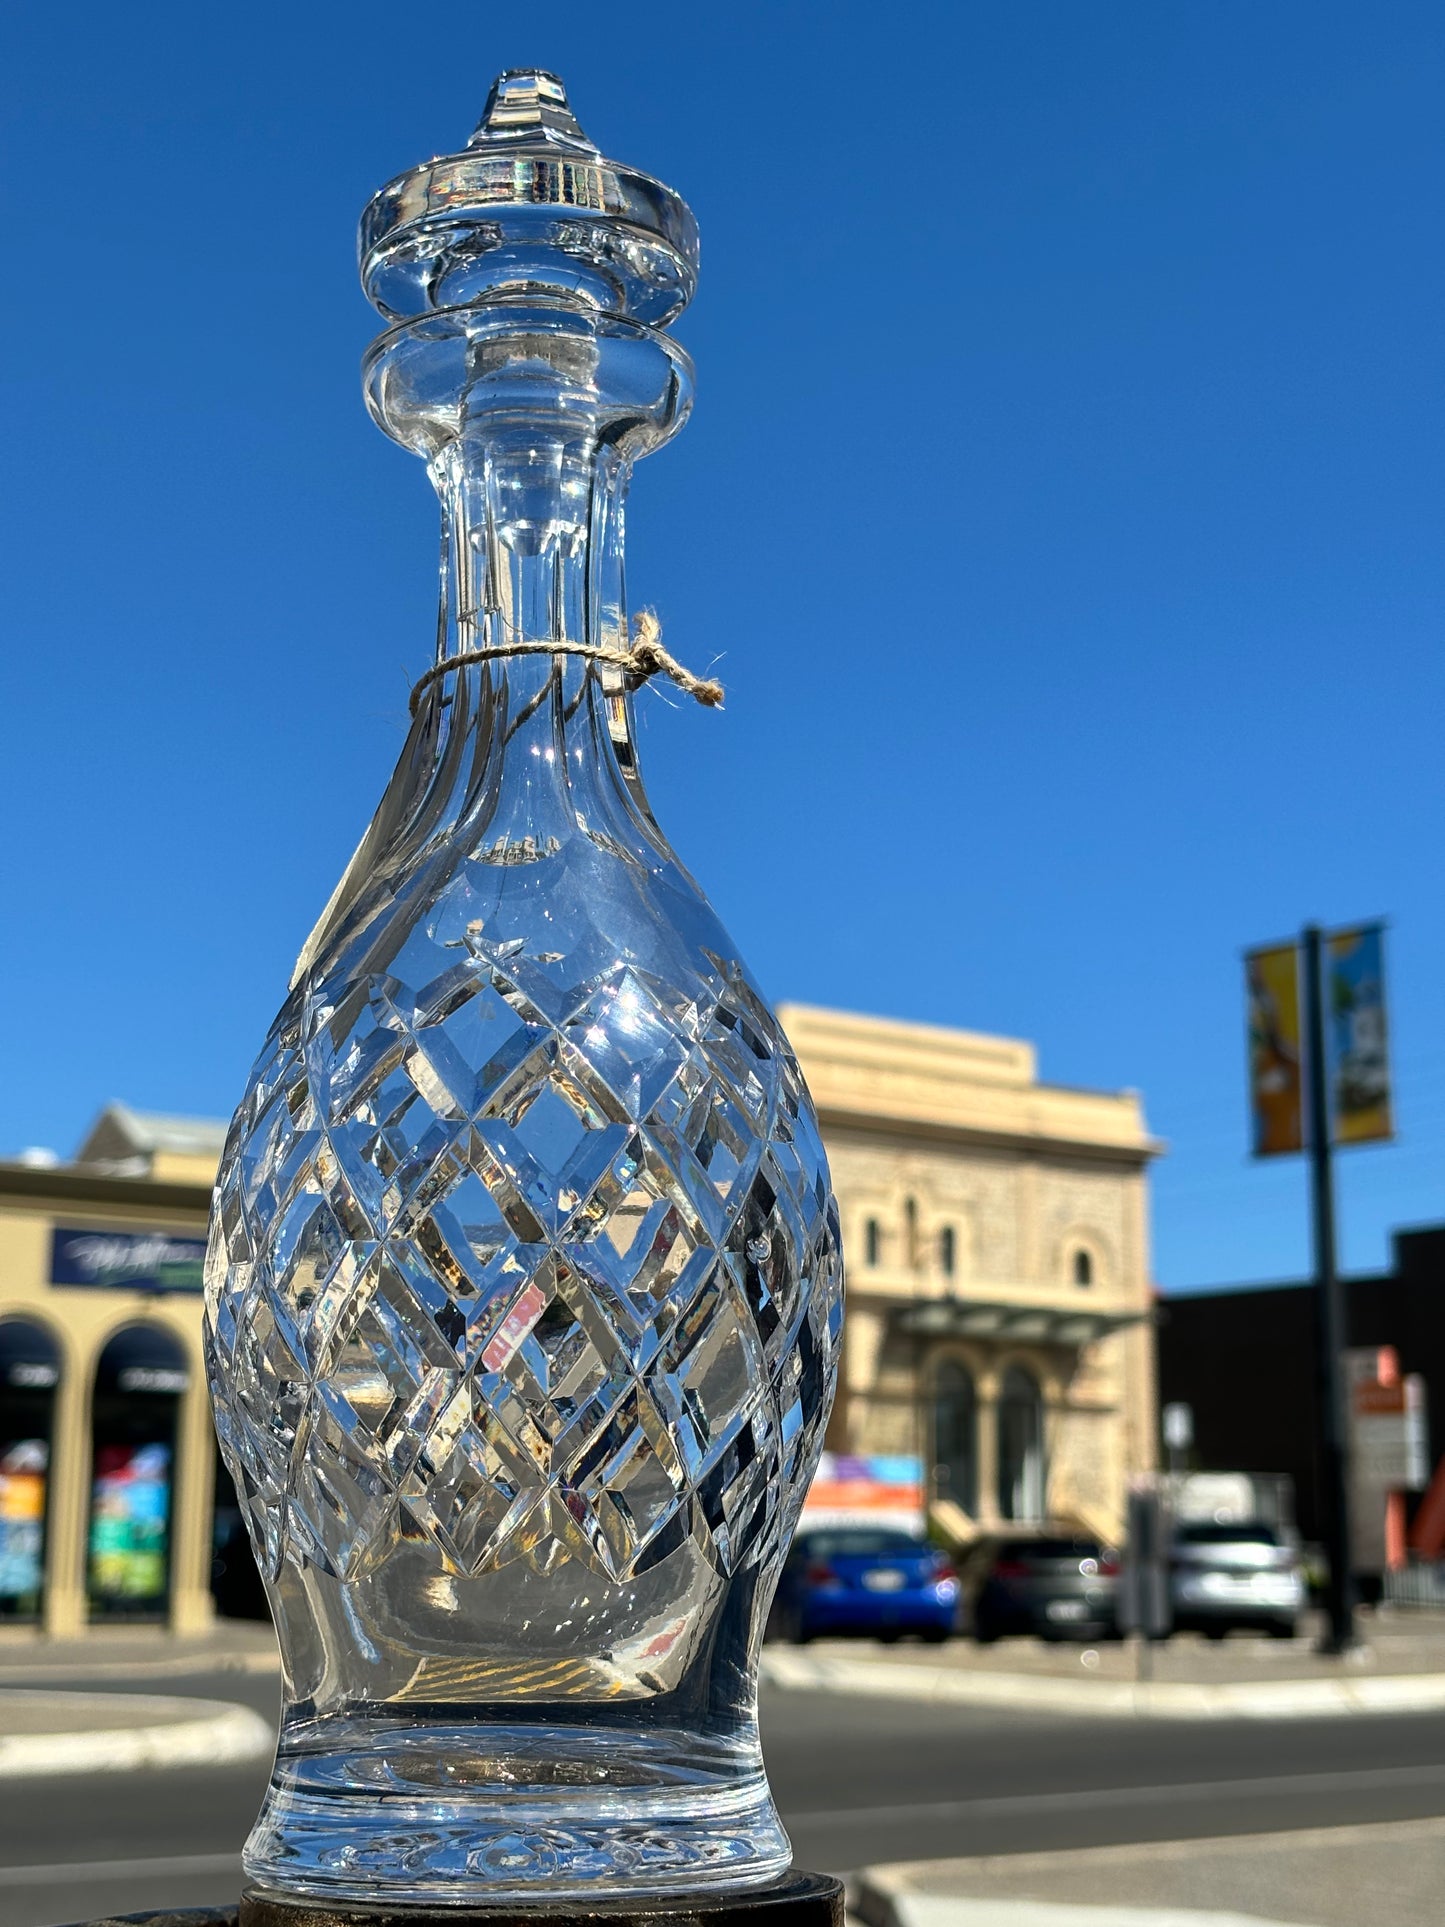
(1063, 501)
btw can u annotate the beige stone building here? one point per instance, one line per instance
(999, 1299)
(107, 1455)
(998, 1316)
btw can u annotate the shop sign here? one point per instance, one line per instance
(30, 1375)
(126, 1260)
(1389, 1440)
(152, 1378)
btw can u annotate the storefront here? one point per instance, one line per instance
(107, 1455)
(140, 1379)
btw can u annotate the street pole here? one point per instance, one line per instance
(1331, 1325)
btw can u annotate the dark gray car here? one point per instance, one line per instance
(1056, 1586)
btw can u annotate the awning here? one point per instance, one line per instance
(992, 1318)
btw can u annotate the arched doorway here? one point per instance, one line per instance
(139, 1379)
(1020, 1446)
(29, 1378)
(955, 1435)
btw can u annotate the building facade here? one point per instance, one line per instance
(998, 1300)
(107, 1453)
(998, 1323)
(1243, 1358)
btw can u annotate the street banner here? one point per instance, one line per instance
(1358, 1037)
(1275, 1091)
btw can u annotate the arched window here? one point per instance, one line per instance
(1020, 1446)
(29, 1375)
(910, 1234)
(1083, 1267)
(948, 1251)
(139, 1378)
(955, 1435)
(872, 1240)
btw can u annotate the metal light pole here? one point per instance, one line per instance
(1331, 1325)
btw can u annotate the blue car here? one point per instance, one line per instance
(870, 1580)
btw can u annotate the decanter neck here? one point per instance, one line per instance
(528, 280)
(531, 415)
(533, 556)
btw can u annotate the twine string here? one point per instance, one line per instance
(644, 658)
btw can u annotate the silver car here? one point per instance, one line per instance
(1242, 1573)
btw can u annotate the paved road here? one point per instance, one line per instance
(858, 1780)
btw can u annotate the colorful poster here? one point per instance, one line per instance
(870, 1491)
(23, 1467)
(130, 1521)
(1357, 1035)
(1275, 1087)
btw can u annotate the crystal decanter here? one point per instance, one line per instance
(523, 1293)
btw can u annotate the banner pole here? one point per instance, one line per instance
(1331, 1323)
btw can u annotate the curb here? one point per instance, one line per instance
(211, 1733)
(72, 1660)
(879, 1902)
(1279, 1699)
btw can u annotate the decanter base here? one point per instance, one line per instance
(799, 1900)
(481, 1817)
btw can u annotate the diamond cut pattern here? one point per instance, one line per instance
(536, 1272)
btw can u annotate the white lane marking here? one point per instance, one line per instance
(1169, 1794)
(83, 1870)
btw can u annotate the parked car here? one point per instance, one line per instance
(1057, 1586)
(1236, 1573)
(877, 1581)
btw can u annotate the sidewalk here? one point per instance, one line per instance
(137, 1652)
(1400, 1670)
(1326, 1877)
(47, 1733)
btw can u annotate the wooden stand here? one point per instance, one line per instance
(800, 1900)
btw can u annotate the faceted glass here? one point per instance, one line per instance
(524, 1291)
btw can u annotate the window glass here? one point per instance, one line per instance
(1021, 1478)
(955, 1435)
(1050, 1549)
(1238, 1532)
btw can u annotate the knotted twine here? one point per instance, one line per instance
(646, 657)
